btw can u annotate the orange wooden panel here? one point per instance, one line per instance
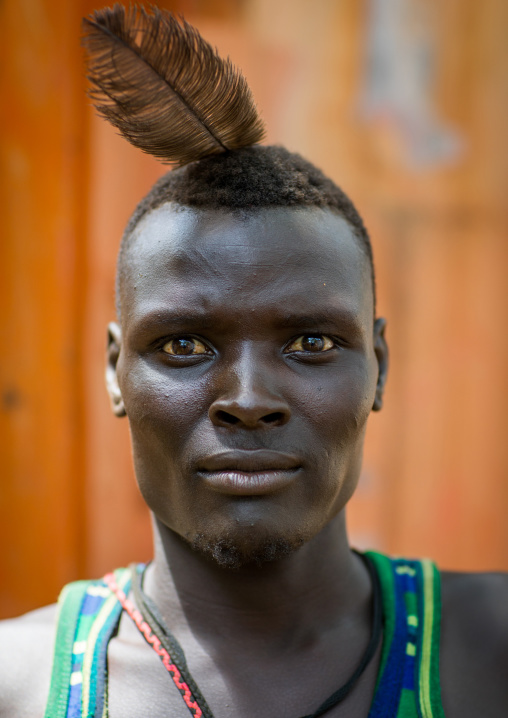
(42, 280)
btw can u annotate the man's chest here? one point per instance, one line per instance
(140, 685)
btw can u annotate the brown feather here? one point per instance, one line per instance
(165, 88)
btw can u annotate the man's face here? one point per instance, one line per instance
(247, 364)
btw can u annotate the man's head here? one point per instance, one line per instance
(248, 357)
(247, 361)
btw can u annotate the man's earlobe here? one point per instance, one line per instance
(381, 351)
(113, 352)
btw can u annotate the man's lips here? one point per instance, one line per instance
(249, 473)
(245, 461)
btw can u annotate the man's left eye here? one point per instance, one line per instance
(185, 346)
(316, 343)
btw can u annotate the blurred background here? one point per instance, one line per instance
(405, 104)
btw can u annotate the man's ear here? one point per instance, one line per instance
(113, 352)
(381, 351)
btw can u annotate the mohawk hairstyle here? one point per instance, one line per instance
(169, 93)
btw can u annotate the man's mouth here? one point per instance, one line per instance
(249, 473)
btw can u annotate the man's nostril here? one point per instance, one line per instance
(226, 418)
(277, 417)
(248, 415)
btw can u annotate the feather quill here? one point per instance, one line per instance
(165, 88)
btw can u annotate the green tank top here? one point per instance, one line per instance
(408, 683)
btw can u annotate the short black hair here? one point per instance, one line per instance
(255, 177)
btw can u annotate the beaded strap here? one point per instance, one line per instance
(155, 643)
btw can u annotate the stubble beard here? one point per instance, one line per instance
(230, 554)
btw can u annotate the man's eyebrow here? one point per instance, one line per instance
(328, 318)
(177, 319)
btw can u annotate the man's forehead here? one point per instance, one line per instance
(255, 261)
(185, 237)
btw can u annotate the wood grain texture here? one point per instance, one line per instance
(42, 284)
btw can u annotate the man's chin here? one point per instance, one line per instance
(232, 554)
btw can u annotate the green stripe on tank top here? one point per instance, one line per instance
(411, 603)
(407, 705)
(69, 603)
(429, 679)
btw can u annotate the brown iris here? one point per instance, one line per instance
(185, 346)
(314, 343)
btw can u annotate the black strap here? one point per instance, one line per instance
(151, 615)
(375, 637)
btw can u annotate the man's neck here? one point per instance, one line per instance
(318, 586)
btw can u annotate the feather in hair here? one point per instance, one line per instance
(165, 88)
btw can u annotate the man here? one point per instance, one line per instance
(247, 358)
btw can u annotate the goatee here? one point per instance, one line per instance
(230, 554)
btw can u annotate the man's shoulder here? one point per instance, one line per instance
(474, 641)
(26, 657)
(476, 601)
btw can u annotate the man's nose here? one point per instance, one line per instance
(248, 397)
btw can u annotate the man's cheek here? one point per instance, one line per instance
(154, 399)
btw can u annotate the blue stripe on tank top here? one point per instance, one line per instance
(387, 696)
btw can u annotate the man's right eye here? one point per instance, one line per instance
(185, 346)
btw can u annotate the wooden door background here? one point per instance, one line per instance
(405, 105)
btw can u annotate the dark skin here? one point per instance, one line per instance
(253, 340)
